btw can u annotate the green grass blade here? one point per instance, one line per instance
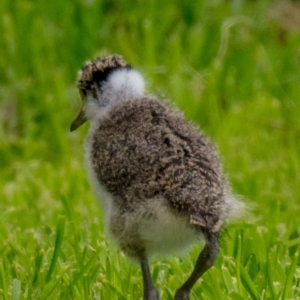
(248, 284)
(60, 229)
(3, 282)
(16, 289)
(115, 290)
(289, 279)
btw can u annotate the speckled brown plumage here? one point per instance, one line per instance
(143, 148)
(95, 71)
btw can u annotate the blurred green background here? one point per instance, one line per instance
(232, 66)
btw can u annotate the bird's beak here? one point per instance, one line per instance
(80, 117)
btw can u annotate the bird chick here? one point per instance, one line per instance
(157, 176)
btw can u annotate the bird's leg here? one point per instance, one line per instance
(150, 291)
(205, 261)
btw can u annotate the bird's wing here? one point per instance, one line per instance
(148, 149)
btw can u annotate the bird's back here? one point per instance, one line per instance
(143, 149)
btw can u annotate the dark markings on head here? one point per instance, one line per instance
(96, 71)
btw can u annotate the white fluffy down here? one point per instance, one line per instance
(123, 84)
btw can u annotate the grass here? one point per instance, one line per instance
(226, 64)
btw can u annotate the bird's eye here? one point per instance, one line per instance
(83, 92)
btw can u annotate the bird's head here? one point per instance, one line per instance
(104, 81)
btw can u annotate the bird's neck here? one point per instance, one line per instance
(122, 85)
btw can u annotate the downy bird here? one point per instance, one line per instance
(156, 175)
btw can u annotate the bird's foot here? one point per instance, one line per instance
(151, 294)
(182, 295)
